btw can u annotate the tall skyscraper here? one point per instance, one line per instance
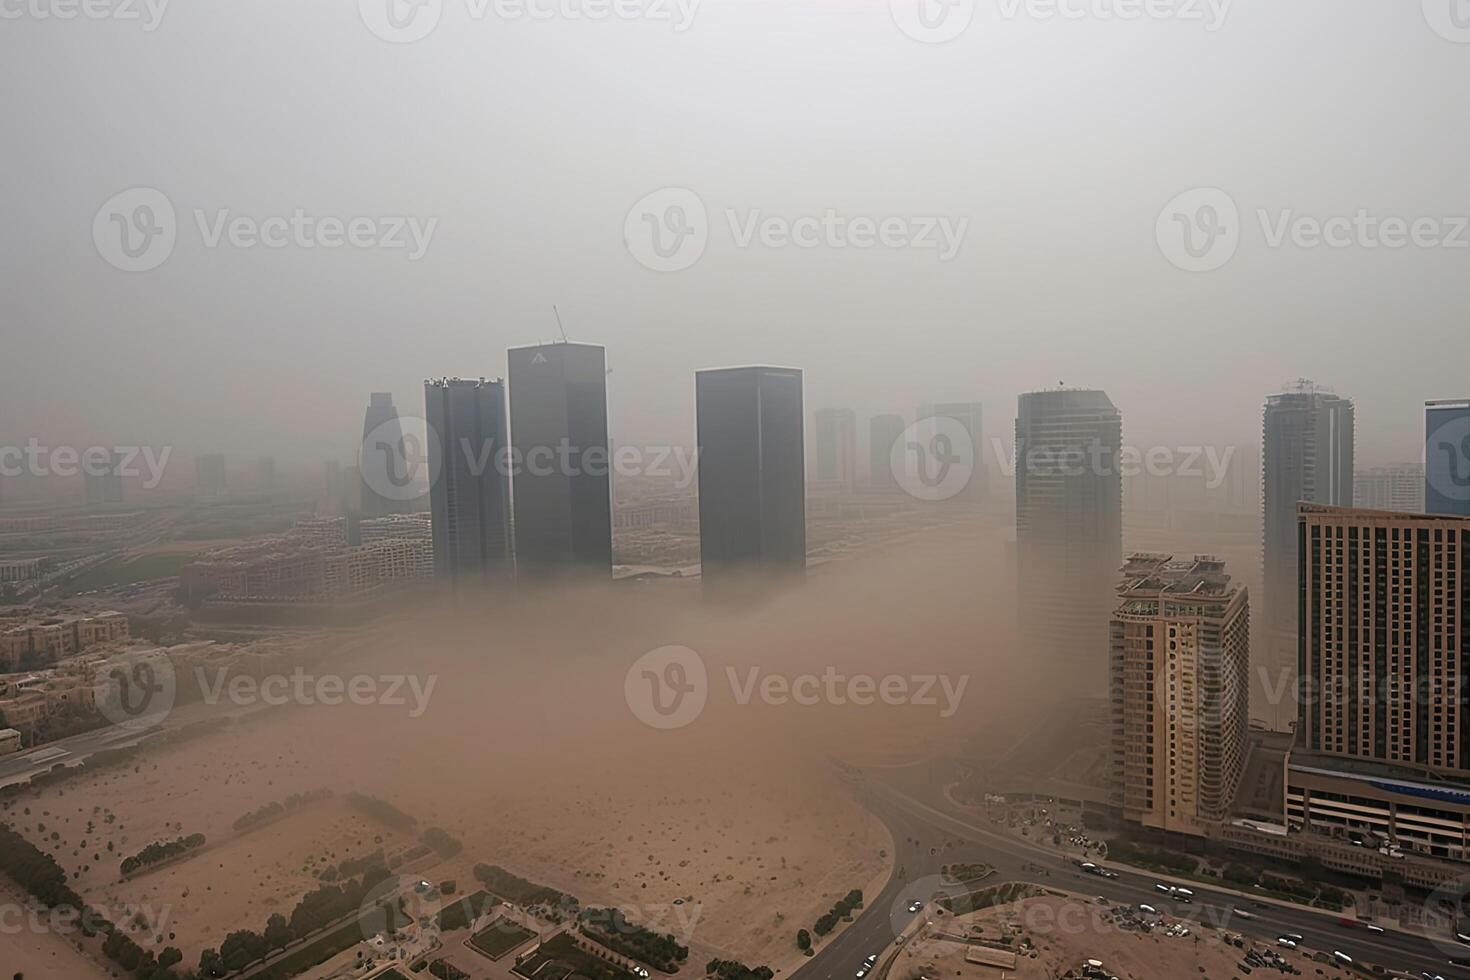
(563, 491)
(883, 432)
(836, 448)
(384, 456)
(1447, 456)
(469, 491)
(1069, 535)
(1383, 739)
(752, 487)
(1399, 488)
(970, 416)
(1180, 693)
(1307, 454)
(210, 478)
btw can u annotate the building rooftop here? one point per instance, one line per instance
(1152, 575)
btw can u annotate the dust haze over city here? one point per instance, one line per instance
(733, 490)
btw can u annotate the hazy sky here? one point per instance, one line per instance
(1058, 140)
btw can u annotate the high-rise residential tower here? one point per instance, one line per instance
(469, 480)
(1307, 454)
(385, 459)
(102, 480)
(1069, 536)
(563, 492)
(883, 432)
(1447, 456)
(752, 503)
(210, 477)
(835, 463)
(1383, 739)
(1180, 693)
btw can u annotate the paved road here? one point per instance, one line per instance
(945, 836)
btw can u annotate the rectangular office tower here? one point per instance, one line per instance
(1385, 644)
(469, 486)
(1069, 536)
(884, 432)
(563, 495)
(836, 448)
(1383, 740)
(1447, 457)
(752, 486)
(1180, 693)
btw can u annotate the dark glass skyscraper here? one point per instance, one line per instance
(383, 447)
(1447, 457)
(752, 484)
(469, 490)
(1069, 535)
(563, 494)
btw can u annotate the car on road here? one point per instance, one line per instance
(872, 958)
(1148, 909)
(915, 906)
(1373, 928)
(862, 972)
(1342, 957)
(1286, 941)
(1243, 913)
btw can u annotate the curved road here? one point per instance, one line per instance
(945, 835)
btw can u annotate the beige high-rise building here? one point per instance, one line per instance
(1180, 692)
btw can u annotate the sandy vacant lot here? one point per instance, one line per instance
(1066, 932)
(38, 953)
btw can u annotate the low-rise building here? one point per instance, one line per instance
(10, 742)
(34, 642)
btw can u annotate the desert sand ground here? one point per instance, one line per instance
(39, 953)
(1068, 931)
(527, 751)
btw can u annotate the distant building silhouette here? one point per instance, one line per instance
(1447, 457)
(563, 488)
(1069, 535)
(835, 463)
(1399, 488)
(103, 485)
(883, 432)
(210, 477)
(469, 494)
(752, 493)
(1180, 693)
(384, 450)
(970, 416)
